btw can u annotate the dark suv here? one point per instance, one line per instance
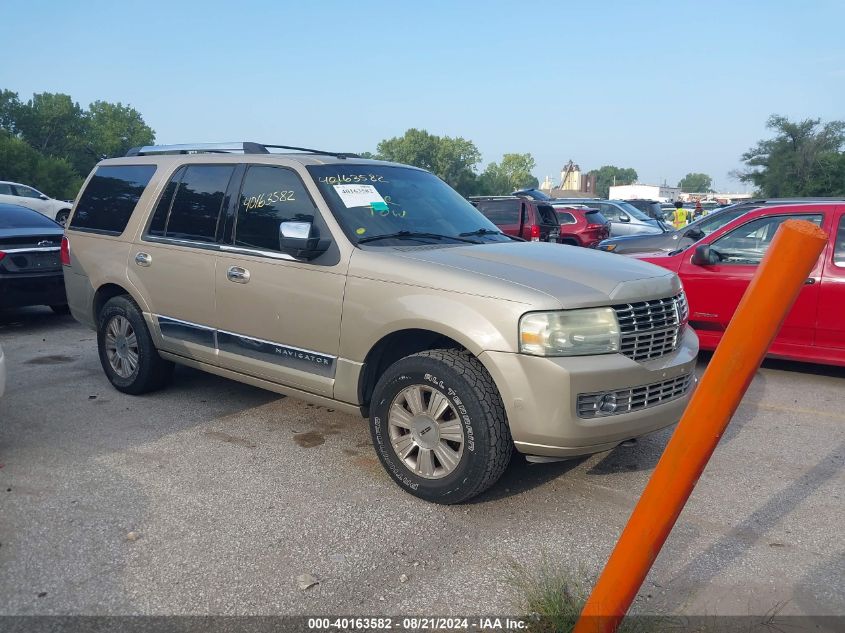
(532, 220)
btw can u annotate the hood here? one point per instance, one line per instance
(536, 273)
(664, 260)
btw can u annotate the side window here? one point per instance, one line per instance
(26, 192)
(110, 198)
(502, 211)
(197, 193)
(566, 218)
(611, 212)
(839, 249)
(5, 189)
(270, 196)
(747, 244)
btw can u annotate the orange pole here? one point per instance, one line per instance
(785, 267)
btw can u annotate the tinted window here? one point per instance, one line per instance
(270, 196)
(839, 249)
(197, 202)
(501, 211)
(565, 218)
(5, 189)
(110, 198)
(594, 217)
(164, 203)
(14, 217)
(747, 244)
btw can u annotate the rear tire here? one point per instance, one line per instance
(127, 353)
(439, 426)
(62, 216)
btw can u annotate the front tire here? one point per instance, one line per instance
(439, 426)
(127, 352)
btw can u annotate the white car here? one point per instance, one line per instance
(2, 373)
(25, 196)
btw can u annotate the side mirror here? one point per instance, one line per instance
(624, 218)
(703, 256)
(300, 240)
(43, 197)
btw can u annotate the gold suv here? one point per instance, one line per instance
(376, 289)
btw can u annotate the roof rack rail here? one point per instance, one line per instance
(245, 147)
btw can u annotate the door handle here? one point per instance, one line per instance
(143, 259)
(237, 274)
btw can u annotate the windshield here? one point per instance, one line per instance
(633, 211)
(380, 200)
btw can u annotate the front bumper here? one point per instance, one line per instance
(32, 289)
(540, 397)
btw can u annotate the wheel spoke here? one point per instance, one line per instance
(398, 416)
(124, 326)
(132, 360)
(448, 458)
(403, 445)
(414, 398)
(425, 463)
(111, 331)
(451, 430)
(437, 405)
(132, 341)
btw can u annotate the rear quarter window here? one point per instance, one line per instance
(110, 198)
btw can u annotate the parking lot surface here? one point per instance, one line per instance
(213, 497)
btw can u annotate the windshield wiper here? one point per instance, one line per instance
(481, 232)
(399, 235)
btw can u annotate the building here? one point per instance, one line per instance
(573, 183)
(637, 191)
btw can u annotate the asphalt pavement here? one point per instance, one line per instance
(213, 497)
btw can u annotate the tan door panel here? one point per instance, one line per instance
(279, 319)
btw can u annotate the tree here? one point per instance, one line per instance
(51, 123)
(112, 129)
(696, 183)
(19, 162)
(609, 175)
(51, 143)
(514, 172)
(452, 159)
(803, 159)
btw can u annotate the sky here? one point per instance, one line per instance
(664, 87)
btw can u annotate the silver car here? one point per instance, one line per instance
(625, 218)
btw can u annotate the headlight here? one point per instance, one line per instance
(607, 247)
(569, 332)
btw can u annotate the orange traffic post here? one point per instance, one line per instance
(785, 267)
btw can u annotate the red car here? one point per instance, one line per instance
(716, 271)
(581, 226)
(532, 220)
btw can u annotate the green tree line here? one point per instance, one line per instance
(51, 142)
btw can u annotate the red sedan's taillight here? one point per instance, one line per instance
(65, 252)
(535, 233)
(2, 255)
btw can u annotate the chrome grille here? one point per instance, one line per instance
(650, 329)
(604, 403)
